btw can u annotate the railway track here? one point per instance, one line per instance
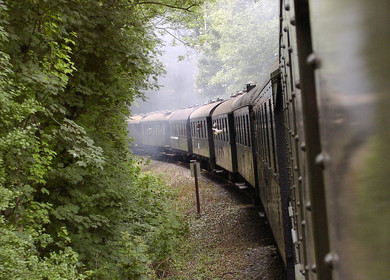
(229, 240)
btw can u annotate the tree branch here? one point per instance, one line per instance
(188, 9)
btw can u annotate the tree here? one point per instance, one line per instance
(237, 43)
(73, 202)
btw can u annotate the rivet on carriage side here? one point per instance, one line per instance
(292, 21)
(321, 159)
(313, 60)
(331, 259)
(314, 268)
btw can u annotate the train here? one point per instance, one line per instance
(312, 142)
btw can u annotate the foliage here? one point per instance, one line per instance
(73, 203)
(237, 43)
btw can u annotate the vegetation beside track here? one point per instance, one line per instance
(228, 241)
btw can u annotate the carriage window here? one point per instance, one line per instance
(248, 131)
(244, 130)
(222, 136)
(263, 128)
(257, 129)
(268, 134)
(239, 129)
(227, 131)
(205, 129)
(273, 133)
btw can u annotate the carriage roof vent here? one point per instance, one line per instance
(249, 86)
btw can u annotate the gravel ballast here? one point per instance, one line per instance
(229, 240)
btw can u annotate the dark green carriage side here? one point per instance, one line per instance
(202, 131)
(179, 127)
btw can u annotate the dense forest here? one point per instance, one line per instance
(225, 45)
(73, 202)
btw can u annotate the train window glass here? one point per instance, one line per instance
(245, 130)
(215, 127)
(236, 128)
(248, 130)
(242, 130)
(268, 134)
(227, 130)
(263, 128)
(274, 151)
(256, 128)
(205, 129)
(214, 123)
(194, 124)
(201, 129)
(271, 140)
(239, 129)
(241, 135)
(219, 127)
(224, 129)
(218, 124)
(258, 132)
